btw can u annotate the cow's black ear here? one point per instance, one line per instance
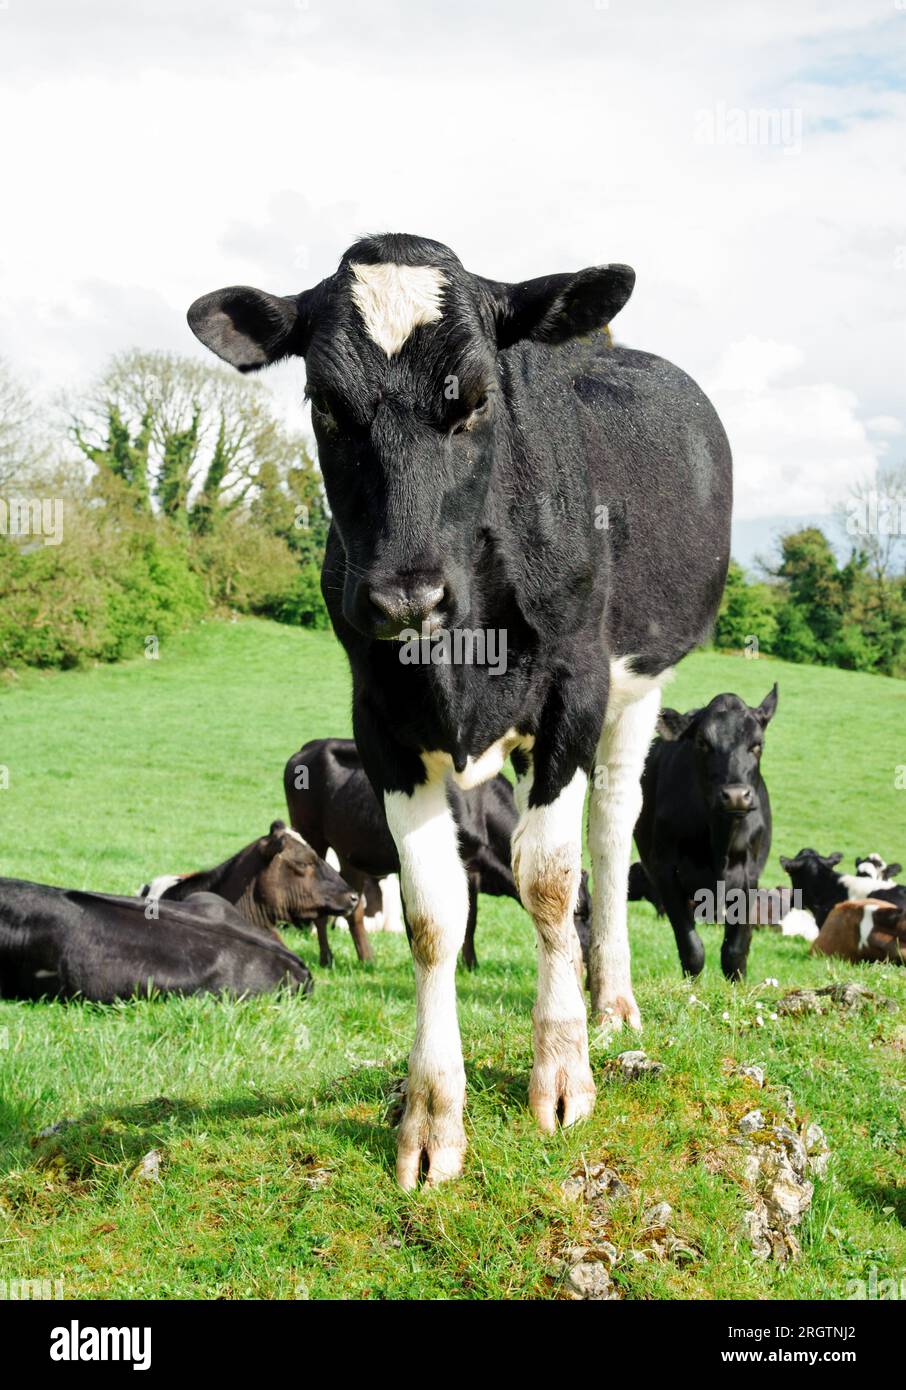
(555, 308)
(672, 725)
(768, 707)
(785, 863)
(277, 825)
(891, 870)
(833, 858)
(250, 328)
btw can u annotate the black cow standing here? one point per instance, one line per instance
(495, 467)
(705, 820)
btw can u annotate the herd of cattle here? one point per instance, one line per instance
(704, 831)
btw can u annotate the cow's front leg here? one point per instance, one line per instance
(435, 898)
(546, 865)
(616, 801)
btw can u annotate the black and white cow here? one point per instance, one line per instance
(821, 887)
(332, 805)
(495, 466)
(873, 866)
(705, 820)
(64, 944)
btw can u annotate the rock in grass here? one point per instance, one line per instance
(751, 1122)
(590, 1281)
(681, 1252)
(596, 1183)
(637, 1063)
(800, 1001)
(657, 1216)
(751, 1071)
(148, 1167)
(777, 1170)
(849, 996)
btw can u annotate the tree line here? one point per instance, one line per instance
(182, 493)
(811, 606)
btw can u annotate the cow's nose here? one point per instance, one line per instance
(737, 799)
(400, 606)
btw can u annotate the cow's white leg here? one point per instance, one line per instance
(435, 895)
(616, 800)
(393, 907)
(547, 851)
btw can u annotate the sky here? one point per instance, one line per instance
(749, 160)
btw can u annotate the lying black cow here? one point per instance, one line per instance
(278, 878)
(331, 803)
(705, 820)
(62, 943)
(822, 887)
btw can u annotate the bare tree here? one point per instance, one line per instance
(206, 432)
(20, 447)
(873, 519)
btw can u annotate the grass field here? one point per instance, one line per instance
(276, 1161)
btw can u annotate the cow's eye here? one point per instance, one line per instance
(479, 409)
(756, 749)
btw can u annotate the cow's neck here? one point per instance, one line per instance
(731, 837)
(832, 894)
(232, 878)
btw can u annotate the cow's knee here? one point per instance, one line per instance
(548, 883)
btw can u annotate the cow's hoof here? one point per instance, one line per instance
(614, 1014)
(561, 1096)
(562, 1088)
(432, 1140)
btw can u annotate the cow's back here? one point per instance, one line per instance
(641, 437)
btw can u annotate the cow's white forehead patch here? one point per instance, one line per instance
(394, 299)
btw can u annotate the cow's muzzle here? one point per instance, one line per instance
(397, 607)
(737, 800)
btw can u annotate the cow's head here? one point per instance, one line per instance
(727, 737)
(297, 883)
(402, 357)
(816, 878)
(873, 866)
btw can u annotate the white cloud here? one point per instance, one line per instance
(797, 446)
(157, 151)
(887, 425)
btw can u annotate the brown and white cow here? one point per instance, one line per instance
(864, 930)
